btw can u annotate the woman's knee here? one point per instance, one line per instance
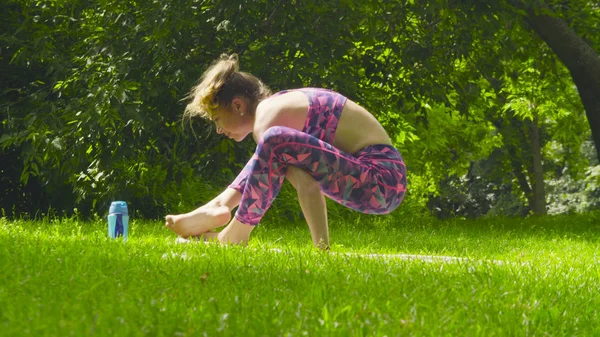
(276, 135)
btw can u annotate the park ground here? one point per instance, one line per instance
(536, 276)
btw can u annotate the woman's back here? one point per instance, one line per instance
(356, 128)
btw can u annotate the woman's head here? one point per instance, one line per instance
(220, 85)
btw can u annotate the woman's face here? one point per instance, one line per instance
(233, 121)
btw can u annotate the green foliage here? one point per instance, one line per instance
(572, 192)
(92, 94)
(104, 112)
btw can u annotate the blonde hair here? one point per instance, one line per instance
(219, 84)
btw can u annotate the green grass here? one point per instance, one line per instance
(66, 278)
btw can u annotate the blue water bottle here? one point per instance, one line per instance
(118, 220)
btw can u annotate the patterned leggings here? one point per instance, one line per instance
(371, 181)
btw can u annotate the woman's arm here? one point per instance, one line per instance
(314, 209)
(313, 205)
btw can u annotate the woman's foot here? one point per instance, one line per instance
(235, 233)
(199, 221)
(208, 237)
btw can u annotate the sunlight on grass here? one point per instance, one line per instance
(66, 277)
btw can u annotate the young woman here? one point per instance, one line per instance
(322, 142)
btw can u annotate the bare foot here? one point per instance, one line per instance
(235, 233)
(208, 238)
(198, 221)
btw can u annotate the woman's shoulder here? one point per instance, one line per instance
(281, 101)
(287, 109)
(297, 100)
(307, 90)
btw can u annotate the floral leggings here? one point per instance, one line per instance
(371, 181)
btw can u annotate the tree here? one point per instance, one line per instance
(575, 53)
(93, 93)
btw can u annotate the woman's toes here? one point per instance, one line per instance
(169, 222)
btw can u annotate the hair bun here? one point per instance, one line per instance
(231, 58)
(220, 83)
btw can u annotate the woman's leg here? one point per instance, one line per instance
(215, 213)
(355, 183)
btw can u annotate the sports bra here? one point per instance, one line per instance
(324, 112)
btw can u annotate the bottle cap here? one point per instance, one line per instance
(118, 207)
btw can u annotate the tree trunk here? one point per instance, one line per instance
(580, 58)
(507, 130)
(521, 177)
(515, 153)
(538, 199)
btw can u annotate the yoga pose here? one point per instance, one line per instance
(322, 142)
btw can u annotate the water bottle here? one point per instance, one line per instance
(118, 220)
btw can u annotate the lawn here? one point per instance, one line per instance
(517, 277)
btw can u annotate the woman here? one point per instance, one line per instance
(322, 142)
